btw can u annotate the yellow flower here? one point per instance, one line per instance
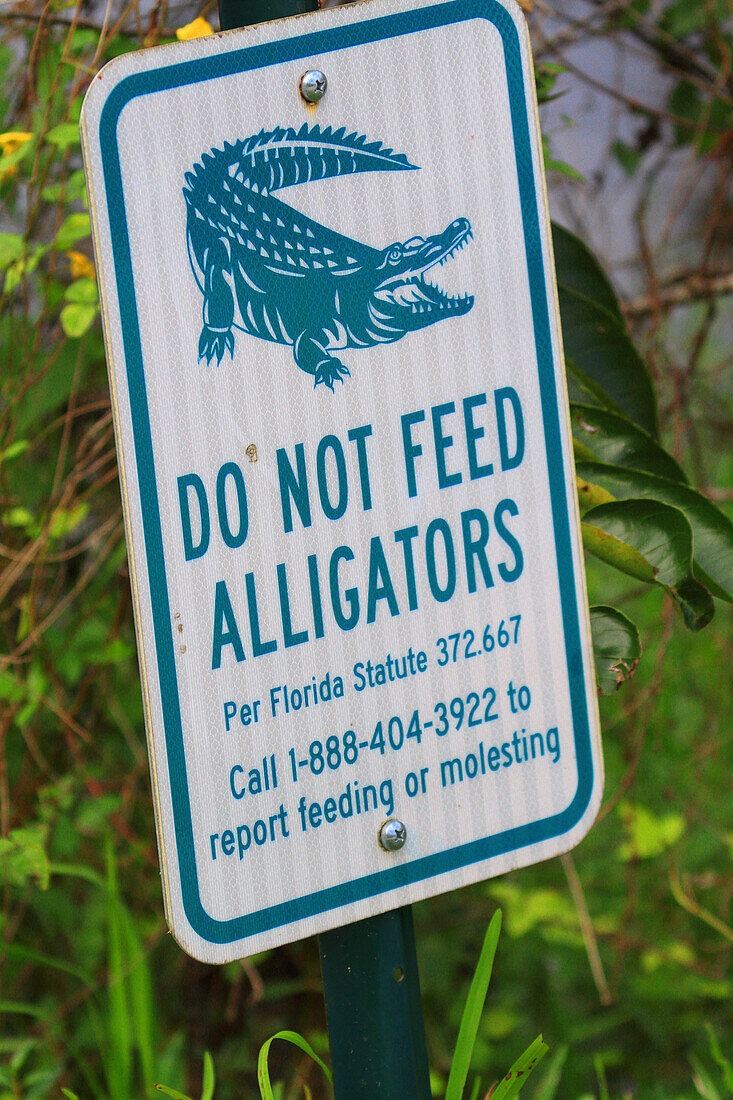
(81, 267)
(12, 140)
(198, 29)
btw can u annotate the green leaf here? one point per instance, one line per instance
(578, 270)
(82, 290)
(172, 1092)
(65, 135)
(712, 530)
(616, 647)
(14, 449)
(77, 318)
(551, 1081)
(649, 834)
(628, 156)
(207, 1085)
(512, 1082)
(726, 1066)
(75, 228)
(263, 1073)
(605, 436)
(118, 1063)
(472, 1012)
(23, 856)
(11, 249)
(597, 345)
(652, 542)
(24, 266)
(141, 1000)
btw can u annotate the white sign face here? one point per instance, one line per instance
(345, 451)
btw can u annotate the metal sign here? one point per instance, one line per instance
(344, 446)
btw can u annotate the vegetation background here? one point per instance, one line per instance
(620, 954)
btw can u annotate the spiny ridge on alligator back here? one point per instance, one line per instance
(284, 157)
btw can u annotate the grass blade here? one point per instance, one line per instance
(472, 1012)
(512, 1082)
(140, 990)
(174, 1093)
(551, 1083)
(263, 1073)
(119, 1031)
(207, 1087)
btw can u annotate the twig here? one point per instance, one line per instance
(691, 289)
(586, 927)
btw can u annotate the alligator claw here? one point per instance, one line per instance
(214, 343)
(330, 371)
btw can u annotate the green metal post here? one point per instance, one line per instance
(241, 13)
(370, 977)
(375, 1019)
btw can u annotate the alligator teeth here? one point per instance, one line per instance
(237, 199)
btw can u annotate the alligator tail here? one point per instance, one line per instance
(284, 157)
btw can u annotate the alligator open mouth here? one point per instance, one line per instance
(420, 294)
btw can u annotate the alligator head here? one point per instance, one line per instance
(403, 296)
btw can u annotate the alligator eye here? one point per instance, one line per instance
(394, 255)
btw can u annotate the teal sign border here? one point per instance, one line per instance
(319, 43)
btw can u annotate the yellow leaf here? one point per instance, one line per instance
(81, 267)
(198, 29)
(12, 140)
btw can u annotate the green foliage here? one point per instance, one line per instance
(616, 647)
(472, 1012)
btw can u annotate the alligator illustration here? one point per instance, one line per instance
(270, 271)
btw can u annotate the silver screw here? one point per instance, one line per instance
(313, 85)
(392, 835)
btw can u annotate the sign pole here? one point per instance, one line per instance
(373, 1008)
(241, 13)
(370, 977)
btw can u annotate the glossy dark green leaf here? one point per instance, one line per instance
(604, 436)
(578, 270)
(616, 647)
(582, 390)
(712, 530)
(652, 542)
(597, 346)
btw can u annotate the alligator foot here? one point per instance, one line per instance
(214, 342)
(330, 371)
